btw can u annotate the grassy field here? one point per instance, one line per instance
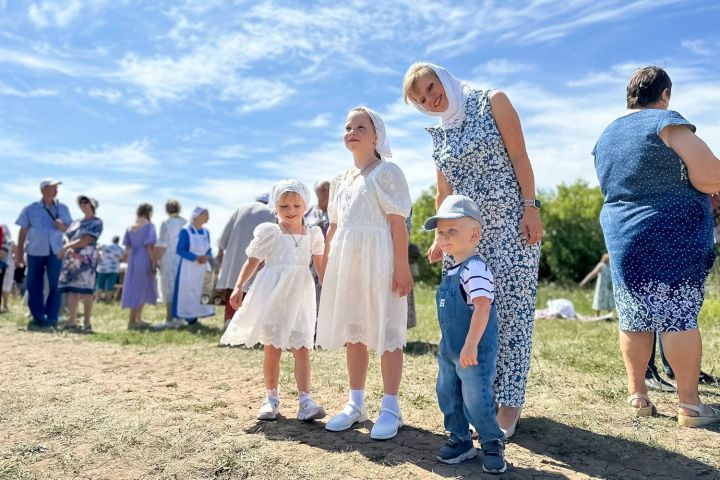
(172, 404)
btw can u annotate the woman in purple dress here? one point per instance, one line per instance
(139, 285)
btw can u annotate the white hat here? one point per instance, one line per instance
(289, 185)
(49, 182)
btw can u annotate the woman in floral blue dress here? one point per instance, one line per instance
(656, 174)
(77, 275)
(479, 151)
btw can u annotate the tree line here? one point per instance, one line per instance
(572, 244)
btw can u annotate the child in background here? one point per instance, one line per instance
(468, 348)
(279, 309)
(367, 274)
(603, 298)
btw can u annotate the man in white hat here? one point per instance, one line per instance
(42, 225)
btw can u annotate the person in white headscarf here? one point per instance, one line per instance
(195, 253)
(367, 273)
(479, 151)
(279, 310)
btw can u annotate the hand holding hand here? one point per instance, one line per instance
(201, 259)
(434, 253)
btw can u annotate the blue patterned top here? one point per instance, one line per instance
(658, 228)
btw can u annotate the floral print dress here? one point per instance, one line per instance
(473, 158)
(78, 269)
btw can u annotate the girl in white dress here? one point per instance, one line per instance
(367, 272)
(279, 309)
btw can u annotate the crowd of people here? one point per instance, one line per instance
(336, 275)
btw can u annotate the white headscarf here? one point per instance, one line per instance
(383, 143)
(456, 93)
(196, 213)
(288, 185)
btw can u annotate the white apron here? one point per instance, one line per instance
(191, 278)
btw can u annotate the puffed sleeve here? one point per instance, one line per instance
(392, 190)
(332, 204)
(263, 242)
(150, 236)
(671, 117)
(317, 240)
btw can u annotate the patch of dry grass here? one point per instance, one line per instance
(173, 405)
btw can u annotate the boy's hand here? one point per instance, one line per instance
(468, 355)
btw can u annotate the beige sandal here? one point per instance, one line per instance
(705, 415)
(648, 410)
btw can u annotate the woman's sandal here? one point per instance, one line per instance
(648, 410)
(705, 415)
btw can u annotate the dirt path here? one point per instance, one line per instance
(71, 408)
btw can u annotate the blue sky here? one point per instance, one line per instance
(211, 102)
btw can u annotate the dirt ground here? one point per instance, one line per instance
(72, 408)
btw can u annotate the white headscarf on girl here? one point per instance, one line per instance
(456, 93)
(288, 185)
(196, 213)
(383, 143)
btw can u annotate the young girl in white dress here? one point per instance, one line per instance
(279, 310)
(367, 272)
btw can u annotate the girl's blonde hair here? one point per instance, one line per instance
(413, 72)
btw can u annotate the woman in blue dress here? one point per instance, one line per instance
(656, 175)
(479, 151)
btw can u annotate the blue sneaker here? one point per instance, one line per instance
(455, 451)
(494, 457)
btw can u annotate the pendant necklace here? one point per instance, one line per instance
(362, 170)
(296, 242)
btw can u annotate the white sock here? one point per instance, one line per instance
(302, 396)
(273, 393)
(391, 403)
(356, 402)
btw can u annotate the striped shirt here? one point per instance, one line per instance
(476, 280)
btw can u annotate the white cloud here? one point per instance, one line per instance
(34, 61)
(129, 158)
(501, 67)
(321, 120)
(701, 47)
(232, 151)
(109, 95)
(60, 13)
(6, 90)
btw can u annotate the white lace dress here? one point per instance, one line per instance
(357, 304)
(279, 309)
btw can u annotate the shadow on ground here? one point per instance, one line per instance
(551, 448)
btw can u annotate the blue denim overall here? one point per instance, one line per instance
(465, 395)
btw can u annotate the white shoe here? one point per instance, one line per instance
(343, 421)
(269, 409)
(175, 323)
(386, 431)
(309, 411)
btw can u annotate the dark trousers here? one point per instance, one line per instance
(651, 368)
(44, 311)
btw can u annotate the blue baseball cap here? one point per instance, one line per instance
(453, 207)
